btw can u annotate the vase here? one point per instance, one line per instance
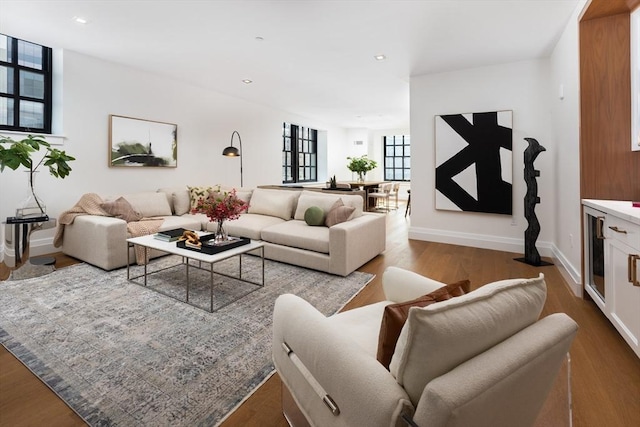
(32, 206)
(221, 234)
(361, 177)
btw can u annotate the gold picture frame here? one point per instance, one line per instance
(142, 143)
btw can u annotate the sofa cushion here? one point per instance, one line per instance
(248, 225)
(149, 204)
(176, 195)
(314, 216)
(338, 214)
(197, 193)
(395, 316)
(278, 203)
(298, 234)
(122, 209)
(439, 337)
(325, 201)
(242, 193)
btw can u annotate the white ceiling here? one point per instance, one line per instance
(316, 58)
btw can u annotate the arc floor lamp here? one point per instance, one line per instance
(232, 151)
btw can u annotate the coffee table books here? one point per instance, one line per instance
(170, 235)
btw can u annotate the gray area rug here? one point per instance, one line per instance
(121, 354)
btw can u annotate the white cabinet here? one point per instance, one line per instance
(612, 264)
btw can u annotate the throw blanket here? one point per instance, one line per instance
(89, 204)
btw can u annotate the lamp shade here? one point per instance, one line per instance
(231, 152)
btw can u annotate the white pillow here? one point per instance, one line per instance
(149, 204)
(278, 203)
(439, 337)
(326, 201)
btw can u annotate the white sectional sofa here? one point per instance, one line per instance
(275, 216)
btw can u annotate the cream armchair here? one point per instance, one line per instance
(480, 359)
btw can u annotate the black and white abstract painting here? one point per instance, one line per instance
(474, 171)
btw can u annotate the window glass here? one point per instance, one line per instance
(6, 111)
(31, 114)
(25, 86)
(31, 84)
(6, 80)
(397, 160)
(29, 55)
(300, 154)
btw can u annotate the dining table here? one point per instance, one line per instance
(367, 186)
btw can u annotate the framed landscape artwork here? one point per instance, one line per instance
(142, 143)
(474, 171)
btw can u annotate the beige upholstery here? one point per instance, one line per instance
(340, 249)
(497, 377)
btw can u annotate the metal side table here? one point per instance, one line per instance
(17, 235)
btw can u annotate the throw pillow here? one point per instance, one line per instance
(395, 316)
(314, 216)
(197, 193)
(121, 209)
(338, 213)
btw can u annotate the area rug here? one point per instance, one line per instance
(121, 354)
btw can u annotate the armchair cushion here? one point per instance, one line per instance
(439, 337)
(395, 316)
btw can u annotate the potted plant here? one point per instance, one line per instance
(361, 165)
(16, 153)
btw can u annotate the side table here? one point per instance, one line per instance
(17, 235)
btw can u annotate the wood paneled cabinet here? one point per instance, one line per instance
(612, 264)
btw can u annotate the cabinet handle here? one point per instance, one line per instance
(617, 230)
(632, 269)
(599, 224)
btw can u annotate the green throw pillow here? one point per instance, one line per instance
(314, 216)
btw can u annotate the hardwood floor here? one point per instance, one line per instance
(605, 372)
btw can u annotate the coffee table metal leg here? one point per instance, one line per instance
(211, 288)
(146, 262)
(262, 256)
(187, 281)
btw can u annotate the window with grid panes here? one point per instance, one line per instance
(25, 86)
(397, 158)
(299, 154)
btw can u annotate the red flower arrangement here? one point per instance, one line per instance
(221, 206)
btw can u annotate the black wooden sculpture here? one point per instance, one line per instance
(531, 199)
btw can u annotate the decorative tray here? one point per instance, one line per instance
(208, 247)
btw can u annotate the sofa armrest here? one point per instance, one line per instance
(353, 243)
(98, 240)
(401, 285)
(314, 359)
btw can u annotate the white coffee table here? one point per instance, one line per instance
(149, 242)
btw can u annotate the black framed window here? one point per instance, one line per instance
(299, 154)
(25, 85)
(397, 158)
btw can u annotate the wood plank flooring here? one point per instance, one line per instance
(605, 372)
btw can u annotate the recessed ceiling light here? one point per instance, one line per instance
(247, 81)
(260, 38)
(380, 57)
(80, 19)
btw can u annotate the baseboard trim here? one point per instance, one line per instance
(505, 244)
(571, 275)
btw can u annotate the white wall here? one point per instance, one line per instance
(522, 87)
(93, 89)
(565, 72)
